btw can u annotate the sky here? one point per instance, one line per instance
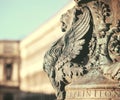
(19, 18)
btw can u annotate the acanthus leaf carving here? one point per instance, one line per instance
(89, 42)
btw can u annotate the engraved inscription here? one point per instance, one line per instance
(94, 93)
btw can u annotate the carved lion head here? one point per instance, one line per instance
(66, 20)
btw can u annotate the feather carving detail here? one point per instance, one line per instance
(73, 40)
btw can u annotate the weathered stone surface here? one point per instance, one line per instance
(108, 93)
(93, 86)
(84, 64)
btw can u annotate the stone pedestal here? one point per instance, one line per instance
(89, 89)
(92, 92)
(84, 64)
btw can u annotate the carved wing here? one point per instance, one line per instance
(73, 39)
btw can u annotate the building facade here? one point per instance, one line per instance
(9, 70)
(21, 63)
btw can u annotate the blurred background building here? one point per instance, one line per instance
(9, 70)
(21, 62)
(21, 73)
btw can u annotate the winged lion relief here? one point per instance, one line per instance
(89, 42)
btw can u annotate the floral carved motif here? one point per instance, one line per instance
(90, 42)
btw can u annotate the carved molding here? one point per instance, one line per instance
(91, 41)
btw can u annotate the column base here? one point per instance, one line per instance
(93, 88)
